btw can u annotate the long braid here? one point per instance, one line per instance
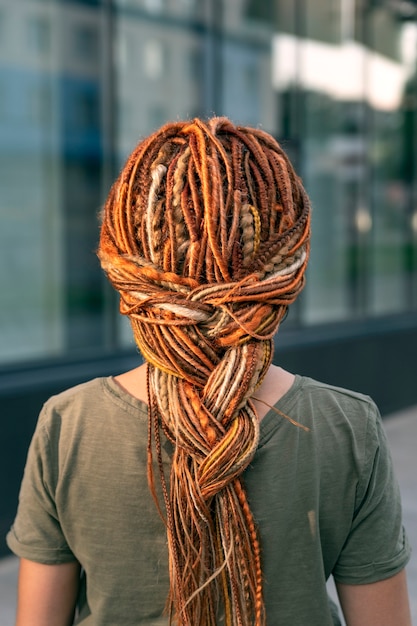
(206, 237)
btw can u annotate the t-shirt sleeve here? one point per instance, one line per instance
(377, 546)
(36, 533)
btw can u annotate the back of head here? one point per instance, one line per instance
(205, 236)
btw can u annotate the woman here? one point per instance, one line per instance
(265, 483)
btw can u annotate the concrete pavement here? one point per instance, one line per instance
(8, 579)
(402, 435)
(401, 429)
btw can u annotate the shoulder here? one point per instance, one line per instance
(98, 401)
(332, 403)
(74, 399)
(341, 422)
(76, 393)
(346, 429)
(324, 390)
(98, 391)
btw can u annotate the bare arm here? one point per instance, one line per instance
(384, 603)
(47, 593)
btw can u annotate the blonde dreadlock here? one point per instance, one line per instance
(205, 236)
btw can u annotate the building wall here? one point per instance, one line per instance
(82, 81)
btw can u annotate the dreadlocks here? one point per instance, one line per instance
(206, 237)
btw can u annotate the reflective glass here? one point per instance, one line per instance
(346, 77)
(82, 81)
(393, 163)
(332, 122)
(158, 69)
(243, 67)
(50, 179)
(31, 236)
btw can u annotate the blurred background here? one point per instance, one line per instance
(82, 81)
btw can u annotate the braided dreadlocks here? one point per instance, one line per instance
(206, 237)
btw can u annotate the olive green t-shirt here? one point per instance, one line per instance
(325, 500)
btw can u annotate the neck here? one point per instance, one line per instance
(275, 384)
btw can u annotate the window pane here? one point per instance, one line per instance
(243, 66)
(50, 180)
(38, 34)
(345, 82)
(328, 78)
(159, 72)
(393, 146)
(30, 241)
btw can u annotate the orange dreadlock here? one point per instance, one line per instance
(206, 237)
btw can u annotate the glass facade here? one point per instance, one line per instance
(81, 81)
